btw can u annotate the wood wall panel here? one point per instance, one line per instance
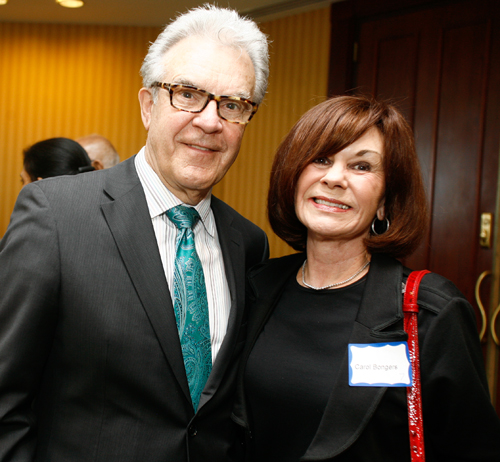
(66, 80)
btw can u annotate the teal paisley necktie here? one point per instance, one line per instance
(190, 303)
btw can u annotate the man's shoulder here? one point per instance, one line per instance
(221, 208)
(85, 186)
(224, 212)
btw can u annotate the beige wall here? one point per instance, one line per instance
(58, 80)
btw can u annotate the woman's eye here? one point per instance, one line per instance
(364, 167)
(321, 161)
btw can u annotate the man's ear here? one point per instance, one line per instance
(97, 164)
(146, 102)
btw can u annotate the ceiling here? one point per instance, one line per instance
(142, 12)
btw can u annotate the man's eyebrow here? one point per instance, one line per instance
(184, 81)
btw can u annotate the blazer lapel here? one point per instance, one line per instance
(266, 283)
(379, 320)
(126, 213)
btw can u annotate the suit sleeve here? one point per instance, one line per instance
(460, 424)
(257, 250)
(29, 283)
(265, 253)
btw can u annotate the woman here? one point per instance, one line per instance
(54, 157)
(346, 191)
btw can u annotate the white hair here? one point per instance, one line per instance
(219, 24)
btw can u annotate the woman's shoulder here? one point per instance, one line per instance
(436, 291)
(268, 279)
(276, 266)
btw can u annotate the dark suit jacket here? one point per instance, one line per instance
(90, 362)
(370, 424)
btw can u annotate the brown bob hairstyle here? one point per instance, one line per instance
(330, 127)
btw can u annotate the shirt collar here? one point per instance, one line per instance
(160, 199)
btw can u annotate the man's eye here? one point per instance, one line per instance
(233, 106)
(186, 94)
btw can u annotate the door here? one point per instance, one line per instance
(439, 64)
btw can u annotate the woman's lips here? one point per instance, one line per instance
(330, 203)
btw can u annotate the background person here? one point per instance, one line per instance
(101, 151)
(54, 157)
(95, 360)
(346, 192)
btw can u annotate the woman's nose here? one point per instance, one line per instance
(335, 176)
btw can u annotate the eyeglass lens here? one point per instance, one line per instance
(192, 100)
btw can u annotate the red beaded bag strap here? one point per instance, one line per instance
(413, 393)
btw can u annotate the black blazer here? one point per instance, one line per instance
(370, 424)
(90, 361)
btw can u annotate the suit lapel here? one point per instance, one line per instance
(350, 408)
(233, 252)
(128, 219)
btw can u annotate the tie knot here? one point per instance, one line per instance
(183, 217)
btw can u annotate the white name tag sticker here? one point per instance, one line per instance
(379, 365)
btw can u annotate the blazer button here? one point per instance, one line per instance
(192, 431)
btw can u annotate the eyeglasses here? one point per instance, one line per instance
(191, 99)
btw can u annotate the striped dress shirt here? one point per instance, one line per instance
(159, 200)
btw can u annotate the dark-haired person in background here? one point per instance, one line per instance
(346, 191)
(54, 157)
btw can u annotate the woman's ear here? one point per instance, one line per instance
(381, 210)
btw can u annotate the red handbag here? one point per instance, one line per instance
(413, 393)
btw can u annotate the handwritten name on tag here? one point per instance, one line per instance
(379, 365)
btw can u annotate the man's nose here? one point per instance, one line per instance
(208, 119)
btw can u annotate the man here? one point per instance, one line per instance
(101, 151)
(91, 362)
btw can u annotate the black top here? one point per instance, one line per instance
(370, 424)
(294, 364)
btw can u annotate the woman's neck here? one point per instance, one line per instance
(333, 262)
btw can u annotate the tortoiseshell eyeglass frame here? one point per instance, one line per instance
(170, 87)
